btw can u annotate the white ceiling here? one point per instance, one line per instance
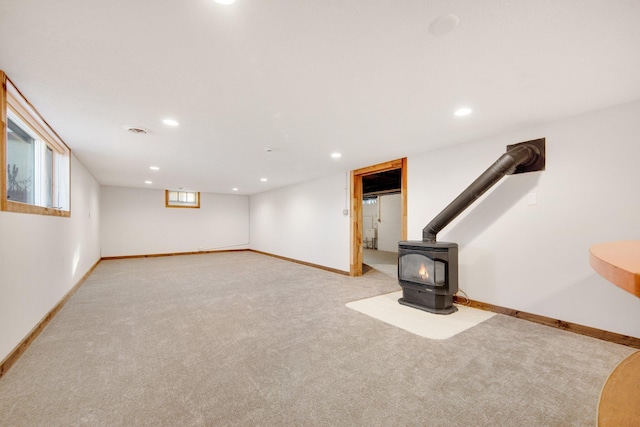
(306, 77)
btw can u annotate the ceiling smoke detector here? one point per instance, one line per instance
(136, 130)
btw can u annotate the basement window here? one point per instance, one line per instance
(34, 159)
(182, 199)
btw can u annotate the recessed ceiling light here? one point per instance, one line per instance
(148, 182)
(464, 111)
(336, 155)
(170, 122)
(234, 189)
(268, 149)
(225, 2)
(263, 179)
(154, 168)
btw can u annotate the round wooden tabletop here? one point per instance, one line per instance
(620, 397)
(619, 263)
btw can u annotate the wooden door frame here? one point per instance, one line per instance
(356, 207)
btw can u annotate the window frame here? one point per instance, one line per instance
(12, 99)
(169, 204)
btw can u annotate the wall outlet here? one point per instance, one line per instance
(345, 212)
(532, 199)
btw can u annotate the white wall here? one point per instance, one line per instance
(370, 224)
(135, 221)
(536, 258)
(372, 211)
(43, 257)
(304, 222)
(390, 222)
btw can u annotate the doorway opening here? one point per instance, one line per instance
(369, 183)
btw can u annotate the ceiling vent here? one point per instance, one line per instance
(136, 130)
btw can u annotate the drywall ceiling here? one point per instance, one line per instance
(371, 79)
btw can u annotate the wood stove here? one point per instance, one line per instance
(428, 274)
(428, 270)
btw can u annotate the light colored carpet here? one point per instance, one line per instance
(243, 339)
(428, 325)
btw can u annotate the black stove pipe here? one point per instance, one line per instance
(522, 154)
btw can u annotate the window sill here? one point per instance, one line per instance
(10, 206)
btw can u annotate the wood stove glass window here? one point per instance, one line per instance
(419, 268)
